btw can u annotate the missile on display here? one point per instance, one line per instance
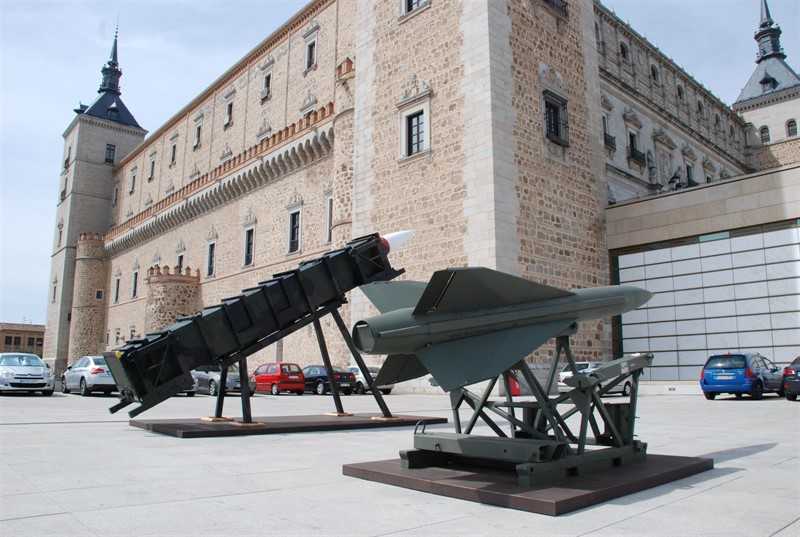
(471, 324)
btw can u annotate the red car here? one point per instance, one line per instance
(279, 377)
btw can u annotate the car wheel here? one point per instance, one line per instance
(347, 392)
(780, 394)
(626, 390)
(319, 389)
(738, 395)
(359, 388)
(64, 388)
(189, 394)
(212, 387)
(386, 391)
(710, 395)
(47, 393)
(299, 392)
(274, 390)
(85, 391)
(791, 397)
(757, 391)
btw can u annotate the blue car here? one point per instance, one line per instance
(744, 373)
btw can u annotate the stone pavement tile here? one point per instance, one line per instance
(62, 525)
(28, 505)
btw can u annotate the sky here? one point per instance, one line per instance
(51, 54)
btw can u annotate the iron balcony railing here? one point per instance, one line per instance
(610, 141)
(636, 156)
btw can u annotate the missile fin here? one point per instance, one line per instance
(469, 360)
(475, 288)
(389, 296)
(398, 368)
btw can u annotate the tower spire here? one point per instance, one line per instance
(768, 36)
(111, 71)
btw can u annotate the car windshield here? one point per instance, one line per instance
(21, 359)
(728, 361)
(580, 366)
(340, 370)
(99, 361)
(796, 362)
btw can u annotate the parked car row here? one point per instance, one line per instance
(749, 374)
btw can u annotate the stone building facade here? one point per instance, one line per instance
(21, 337)
(483, 136)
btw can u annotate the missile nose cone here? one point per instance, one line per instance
(398, 239)
(636, 297)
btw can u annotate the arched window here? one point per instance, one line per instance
(791, 128)
(654, 73)
(623, 51)
(764, 133)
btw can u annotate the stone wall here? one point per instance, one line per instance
(775, 155)
(170, 295)
(86, 336)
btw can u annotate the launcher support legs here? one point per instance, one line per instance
(244, 390)
(223, 381)
(326, 359)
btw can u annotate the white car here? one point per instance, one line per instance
(24, 372)
(87, 375)
(587, 367)
(361, 383)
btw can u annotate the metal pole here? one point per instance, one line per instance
(244, 390)
(323, 349)
(223, 380)
(486, 393)
(376, 393)
(509, 400)
(456, 398)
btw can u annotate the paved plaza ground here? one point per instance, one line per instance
(67, 467)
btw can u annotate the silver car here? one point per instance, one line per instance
(23, 372)
(361, 383)
(207, 379)
(87, 375)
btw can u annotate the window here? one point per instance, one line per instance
(152, 170)
(708, 179)
(210, 259)
(654, 73)
(764, 133)
(180, 264)
(116, 291)
(98, 294)
(249, 237)
(791, 128)
(135, 284)
(633, 140)
(173, 154)
(111, 151)
(108, 337)
(699, 109)
(680, 93)
(115, 199)
(311, 54)
(69, 157)
(17, 340)
(266, 91)
(634, 153)
(60, 236)
(113, 114)
(8, 340)
(411, 5)
(228, 115)
(39, 341)
(415, 132)
(198, 131)
(30, 342)
(609, 140)
(555, 118)
(689, 173)
(133, 183)
(294, 231)
(623, 51)
(328, 218)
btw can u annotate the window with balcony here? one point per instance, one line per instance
(635, 154)
(609, 140)
(555, 118)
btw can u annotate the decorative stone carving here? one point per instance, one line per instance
(136, 264)
(414, 88)
(118, 272)
(308, 103)
(174, 136)
(226, 153)
(170, 188)
(708, 165)
(606, 103)
(632, 118)
(296, 200)
(156, 258)
(195, 172)
(148, 200)
(660, 136)
(180, 247)
(129, 214)
(249, 218)
(312, 27)
(264, 130)
(688, 152)
(229, 93)
(551, 78)
(212, 234)
(268, 63)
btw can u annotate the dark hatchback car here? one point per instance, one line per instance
(791, 380)
(316, 380)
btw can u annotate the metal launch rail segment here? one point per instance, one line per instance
(157, 366)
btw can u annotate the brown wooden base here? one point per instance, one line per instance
(200, 428)
(497, 487)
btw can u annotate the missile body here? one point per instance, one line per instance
(470, 324)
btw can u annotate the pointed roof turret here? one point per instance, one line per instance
(772, 72)
(109, 105)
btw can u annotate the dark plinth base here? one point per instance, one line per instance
(497, 487)
(198, 428)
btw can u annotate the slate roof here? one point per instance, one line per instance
(109, 106)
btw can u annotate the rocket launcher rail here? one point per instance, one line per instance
(151, 369)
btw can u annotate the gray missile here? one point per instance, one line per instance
(471, 324)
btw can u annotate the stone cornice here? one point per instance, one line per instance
(770, 98)
(213, 190)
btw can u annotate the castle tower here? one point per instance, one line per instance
(98, 137)
(89, 297)
(170, 296)
(771, 98)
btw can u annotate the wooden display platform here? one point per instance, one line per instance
(199, 428)
(498, 487)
